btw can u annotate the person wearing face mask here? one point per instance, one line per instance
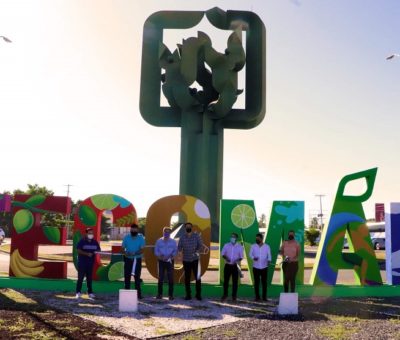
(165, 250)
(232, 252)
(132, 249)
(86, 249)
(290, 252)
(190, 245)
(260, 253)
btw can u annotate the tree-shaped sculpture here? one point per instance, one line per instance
(203, 113)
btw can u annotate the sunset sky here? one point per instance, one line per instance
(69, 101)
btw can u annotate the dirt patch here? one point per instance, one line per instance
(22, 317)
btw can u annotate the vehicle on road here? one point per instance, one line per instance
(378, 243)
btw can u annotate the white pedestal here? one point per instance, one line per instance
(128, 301)
(288, 304)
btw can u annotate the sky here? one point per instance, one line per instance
(69, 102)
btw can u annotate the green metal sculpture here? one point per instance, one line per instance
(203, 114)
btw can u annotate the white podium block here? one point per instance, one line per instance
(288, 304)
(128, 301)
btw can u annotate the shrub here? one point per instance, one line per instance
(311, 236)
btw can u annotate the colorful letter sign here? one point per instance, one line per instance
(348, 218)
(5, 203)
(159, 216)
(28, 233)
(238, 216)
(392, 228)
(89, 215)
(286, 216)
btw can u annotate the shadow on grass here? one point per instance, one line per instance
(317, 309)
(362, 308)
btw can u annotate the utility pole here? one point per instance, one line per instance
(68, 186)
(69, 215)
(320, 215)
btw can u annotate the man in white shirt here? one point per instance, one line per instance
(232, 253)
(260, 253)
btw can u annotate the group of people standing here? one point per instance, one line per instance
(260, 253)
(166, 248)
(190, 246)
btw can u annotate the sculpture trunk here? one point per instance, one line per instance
(201, 161)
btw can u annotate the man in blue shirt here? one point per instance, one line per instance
(86, 249)
(232, 253)
(166, 250)
(132, 249)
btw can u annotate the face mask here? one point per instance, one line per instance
(188, 230)
(134, 233)
(291, 237)
(166, 235)
(90, 236)
(258, 241)
(233, 240)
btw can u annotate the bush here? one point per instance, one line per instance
(311, 236)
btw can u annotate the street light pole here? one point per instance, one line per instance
(68, 186)
(320, 215)
(69, 215)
